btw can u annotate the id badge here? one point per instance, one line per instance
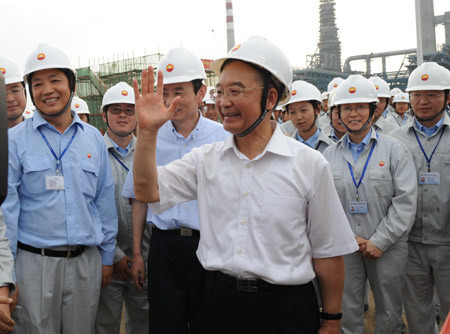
(357, 207)
(429, 178)
(54, 182)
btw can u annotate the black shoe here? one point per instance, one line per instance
(366, 307)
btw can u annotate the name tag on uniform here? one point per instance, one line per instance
(54, 182)
(357, 207)
(428, 178)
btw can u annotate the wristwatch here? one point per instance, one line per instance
(331, 316)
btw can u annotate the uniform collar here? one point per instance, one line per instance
(38, 120)
(278, 144)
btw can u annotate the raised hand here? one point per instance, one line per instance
(151, 110)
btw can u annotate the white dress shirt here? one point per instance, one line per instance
(266, 217)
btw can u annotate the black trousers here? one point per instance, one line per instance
(176, 283)
(282, 310)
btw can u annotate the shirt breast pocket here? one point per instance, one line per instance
(281, 219)
(90, 172)
(381, 183)
(34, 171)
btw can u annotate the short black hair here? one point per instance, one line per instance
(197, 83)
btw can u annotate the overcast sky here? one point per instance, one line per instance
(98, 29)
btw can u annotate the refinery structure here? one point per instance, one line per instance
(322, 66)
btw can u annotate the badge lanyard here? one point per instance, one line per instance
(432, 153)
(120, 162)
(364, 171)
(58, 160)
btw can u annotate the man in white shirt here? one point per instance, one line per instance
(261, 197)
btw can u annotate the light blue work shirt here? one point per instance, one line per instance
(172, 146)
(357, 149)
(312, 141)
(122, 151)
(333, 135)
(84, 213)
(429, 131)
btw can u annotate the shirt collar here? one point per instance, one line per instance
(432, 130)
(312, 141)
(38, 120)
(193, 133)
(112, 144)
(278, 144)
(371, 134)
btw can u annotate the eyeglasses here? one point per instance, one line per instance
(208, 107)
(232, 92)
(15, 92)
(360, 109)
(430, 96)
(118, 111)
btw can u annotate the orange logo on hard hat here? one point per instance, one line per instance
(425, 77)
(41, 56)
(352, 90)
(77, 105)
(89, 155)
(27, 112)
(237, 47)
(335, 85)
(376, 86)
(169, 68)
(3, 70)
(403, 97)
(381, 163)
(294, 92)
(124, 93)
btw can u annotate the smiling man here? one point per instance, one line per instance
(16, 99)
(60, 212)
(261, 196)
(427, 136)
(176, 277)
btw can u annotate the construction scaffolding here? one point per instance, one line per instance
(93, 81)
(328, 53)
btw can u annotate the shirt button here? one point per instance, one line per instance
(248, 165)
(245, 194)
(239, 251)
(184, 145)
(243, 222)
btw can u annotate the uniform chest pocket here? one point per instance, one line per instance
(282, 219)
(381, 182)
(34, 171)
(90, 173)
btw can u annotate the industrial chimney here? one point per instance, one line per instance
(230, 24)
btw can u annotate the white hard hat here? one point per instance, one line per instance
(207, 99)
(334, 84)
(355, 89)
(394, 91)
(28, 113)
(381, 86)
(428, 76)
(263, 53)
(79, 106)
(324, 96)
(46, 57)
(10, 70)
(401, 97)
(181, 65)
(303, 91)
(331, 96)
(119, 93)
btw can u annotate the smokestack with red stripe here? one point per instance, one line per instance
(230, 25)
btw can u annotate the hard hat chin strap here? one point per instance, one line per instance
(263, 109)
(66, 107)
(372, 110)
(14, 118)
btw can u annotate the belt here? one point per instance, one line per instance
(246, 284)
(70, 253)
(183, 231)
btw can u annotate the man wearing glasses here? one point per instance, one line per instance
(427, 137)
(176, 277)
(16, 98)
(269, 214)
(119, 115)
